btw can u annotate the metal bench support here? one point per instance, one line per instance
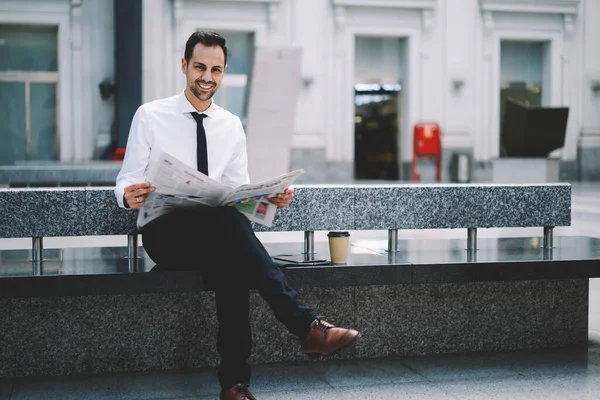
(392, 240)
(133, 252)
(37, 249)
(309, 242)
(548, 237)
(471, 238)
(132, 246)
(37, 255)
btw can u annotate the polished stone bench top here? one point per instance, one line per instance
(94, 211)
(99, 271)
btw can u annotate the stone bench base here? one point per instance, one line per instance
(156, 331)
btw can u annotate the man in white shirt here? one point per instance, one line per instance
(194, 129)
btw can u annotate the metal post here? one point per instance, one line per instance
(133, 265)
(132, 246)
(392, 240)
(309, 242)
(392, 257)
(471, 255)
(37, 249)
(548, 237)
(548, 253)
(471, 238)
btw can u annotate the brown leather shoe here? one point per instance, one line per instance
(237, 392)
(325, 339)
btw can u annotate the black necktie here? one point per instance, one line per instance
(201, 143)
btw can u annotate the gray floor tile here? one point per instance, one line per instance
(5, 389)
(407, 391)
(475, 366)
(524, 388)
(363, 373)
(83, 388)
(285, 377)
(551, 363)
(171, 384)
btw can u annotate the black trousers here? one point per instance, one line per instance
(193, 239)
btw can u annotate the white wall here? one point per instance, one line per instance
(98, 61)
(315, 40)
(453, 60)
(461, 33)
(590, 116)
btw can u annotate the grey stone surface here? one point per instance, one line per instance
(19, 209)
(462, 206)
(273, 342)
(368, 372)
(104, 216)
(63, 213)
(292, 378)
(462, 318)
(5, 389)
(65, 388)
(316, 208)
(168, 385)
(68, 335)
(63, 336)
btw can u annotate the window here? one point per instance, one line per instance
(28, 93)
(233, 94)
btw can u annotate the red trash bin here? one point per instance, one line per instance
(427, 143)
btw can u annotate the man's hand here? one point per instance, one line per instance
(135, 195)
(284, 199)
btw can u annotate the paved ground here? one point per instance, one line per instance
(518, 375)
(554, 375)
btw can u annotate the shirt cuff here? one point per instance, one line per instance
(119, 193)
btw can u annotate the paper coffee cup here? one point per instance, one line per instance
(338, 246)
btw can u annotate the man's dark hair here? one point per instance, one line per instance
(208, 39)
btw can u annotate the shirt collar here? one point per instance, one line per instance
(186, 107)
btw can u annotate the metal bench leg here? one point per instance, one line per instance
(392, 240)
(548, 237)
(132, 252)
(471, 238)
(132, 246)
(309, 243)
(37, 249)
(37, 254)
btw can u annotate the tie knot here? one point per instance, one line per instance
(198, 117)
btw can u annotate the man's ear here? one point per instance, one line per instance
(183, 65)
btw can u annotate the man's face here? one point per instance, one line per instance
(204, 72)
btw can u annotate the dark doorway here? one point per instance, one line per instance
(376, 131)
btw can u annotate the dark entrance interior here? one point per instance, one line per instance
(376, 131)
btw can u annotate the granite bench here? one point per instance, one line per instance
(407, 298)
(39, 213)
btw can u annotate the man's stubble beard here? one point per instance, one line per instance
(199, 95)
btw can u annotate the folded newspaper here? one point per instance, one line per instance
(179, 185)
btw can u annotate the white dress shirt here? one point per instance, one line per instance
(167, 125)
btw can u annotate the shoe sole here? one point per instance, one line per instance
(317, 355)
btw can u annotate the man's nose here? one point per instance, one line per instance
(207, 76)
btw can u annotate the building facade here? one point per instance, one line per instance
(371, 70)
